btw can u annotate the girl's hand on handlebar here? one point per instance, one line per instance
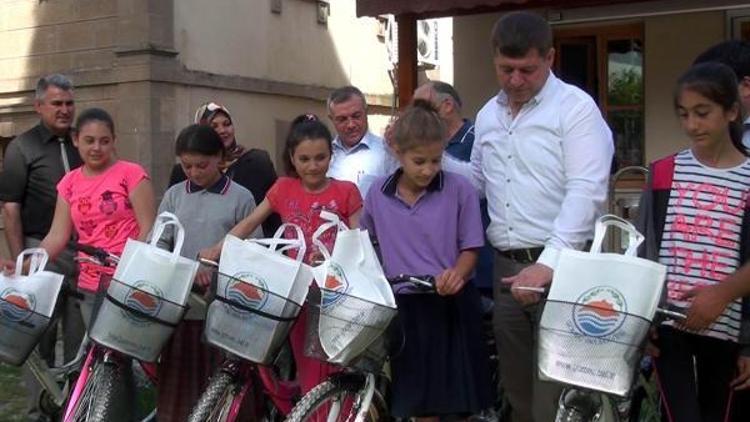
(742, 381)
(449, 282)
(7, 266)
(707, 304)
(203, 279)
(211, 253)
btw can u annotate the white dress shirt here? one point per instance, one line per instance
(545, 172)
(362, 163)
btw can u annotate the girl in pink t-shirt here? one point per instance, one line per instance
(106, 200)
(299, 199)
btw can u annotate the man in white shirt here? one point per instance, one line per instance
(359, 156)
(541, 156)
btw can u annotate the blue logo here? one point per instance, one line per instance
(16, 306)
(246, 289)
(147, 299)
(336, 286)
(600, 311)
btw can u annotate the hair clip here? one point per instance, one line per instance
(311, 117)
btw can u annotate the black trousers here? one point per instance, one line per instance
(694, 373)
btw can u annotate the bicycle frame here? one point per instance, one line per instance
(242, 370)
(80, 384)
(246, 376)
(368, 392)
(47, 377)
(280, 392)
(362, 404)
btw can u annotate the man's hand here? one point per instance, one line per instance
(707, 304)
(449, 282)
(742, 381)
(537, 275)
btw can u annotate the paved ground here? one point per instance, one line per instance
(12, 394)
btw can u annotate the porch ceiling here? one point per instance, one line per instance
(438, 8)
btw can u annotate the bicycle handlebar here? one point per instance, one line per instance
(668, 312)
(416, 284)
(96, 256)
(208, 262)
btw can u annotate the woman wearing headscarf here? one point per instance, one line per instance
(250, 168)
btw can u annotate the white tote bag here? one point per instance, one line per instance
(260, 291)
(265, 259)
(357, 303)
(147, 296)
(26, 305)
(598, 313)
(167, 272)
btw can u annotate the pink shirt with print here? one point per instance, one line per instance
(101, 212)
(295, 205)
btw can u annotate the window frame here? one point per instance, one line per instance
(603, 34)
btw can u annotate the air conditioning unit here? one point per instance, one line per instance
(391, 39)
(427, 42)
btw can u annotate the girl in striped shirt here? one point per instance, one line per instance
(694, 215)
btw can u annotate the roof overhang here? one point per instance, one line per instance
(439, 8)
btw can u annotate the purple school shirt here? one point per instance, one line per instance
(427, 238)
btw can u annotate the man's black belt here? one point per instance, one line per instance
(523, 255)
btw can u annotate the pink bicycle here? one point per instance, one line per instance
(244, 387)
(105, 386)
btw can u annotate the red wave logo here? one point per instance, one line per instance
(246, 290)
(16, 306)
(333, 283)
(144, 299)
(17, 300)
(601, 307)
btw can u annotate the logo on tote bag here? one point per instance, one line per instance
(600, 311)
(144, 298)
(16, 306)
(248, 290)
(336, 286)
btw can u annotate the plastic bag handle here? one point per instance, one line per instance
(38, 258)
(333, 220)
(286, 244)
(164, 220)
(635, 238)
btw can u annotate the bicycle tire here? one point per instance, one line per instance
(579, 406)
(215, 394)
(336, 386)
(104, 397)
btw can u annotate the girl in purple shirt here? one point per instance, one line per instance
(427, 222)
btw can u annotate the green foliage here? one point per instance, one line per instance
(626, 87)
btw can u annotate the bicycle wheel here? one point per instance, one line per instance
(215, 400)
(105, 397)
(339, 394)
(580, 406)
